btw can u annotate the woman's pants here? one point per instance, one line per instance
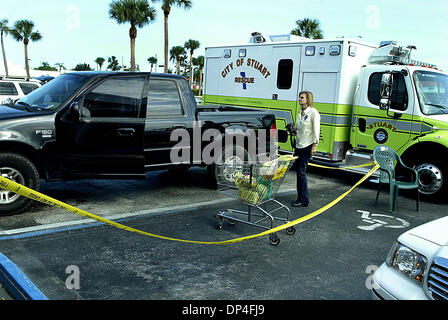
(304, 155)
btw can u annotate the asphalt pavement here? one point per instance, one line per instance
(330, 257)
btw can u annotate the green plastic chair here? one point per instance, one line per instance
(389, 161)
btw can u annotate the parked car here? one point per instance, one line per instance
(115, 125)
(416, 267)
(13, 89)
(44, 79)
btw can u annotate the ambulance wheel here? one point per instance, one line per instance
(433, 179)
(21, 170)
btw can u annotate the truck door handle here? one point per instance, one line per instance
(125, 132)
(179, 126)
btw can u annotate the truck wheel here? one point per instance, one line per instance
(232, 160)
(19, 169)
(433, 179)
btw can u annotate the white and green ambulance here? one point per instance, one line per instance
(348, 79)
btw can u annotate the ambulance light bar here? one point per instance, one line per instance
(390, 53)
(399, 60)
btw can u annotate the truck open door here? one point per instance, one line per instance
(101, 134)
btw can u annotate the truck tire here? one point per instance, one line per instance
(433, 179)
(232, 159)
(21, 170)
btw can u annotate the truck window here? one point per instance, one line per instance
(284, 74)
(116, 97)
(163, 99)
(432, 91)
(7, 89)
(27, 87)
(399, 97)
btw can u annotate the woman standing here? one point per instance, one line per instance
(307, 139)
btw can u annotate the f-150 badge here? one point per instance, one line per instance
(45, 133)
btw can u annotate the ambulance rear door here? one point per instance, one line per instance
(212, 83)
(284, 104)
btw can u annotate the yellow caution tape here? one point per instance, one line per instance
(32, 194)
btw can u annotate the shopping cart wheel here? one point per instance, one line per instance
(274, 239)
(232, 222)
(220, 222)
(290, 230)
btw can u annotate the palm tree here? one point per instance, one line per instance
(23, 31)
(4, 30)
(82, 67)
(113, 64)
(166, 7)
(191, 45)
(100, 61)
(176, 54)
(183, 64)
(60, 66)
(152, 61)
(199, 61)
(137, 12)
(308, 28)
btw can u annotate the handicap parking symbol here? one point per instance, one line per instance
(381, 220)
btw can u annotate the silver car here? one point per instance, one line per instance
(416, 267)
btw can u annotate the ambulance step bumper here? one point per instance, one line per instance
(352, 159)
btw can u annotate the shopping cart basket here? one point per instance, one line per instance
(256, 185)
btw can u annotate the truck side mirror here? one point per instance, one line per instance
(385, 91)
(74, 111)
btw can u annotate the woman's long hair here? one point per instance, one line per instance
(309, 98)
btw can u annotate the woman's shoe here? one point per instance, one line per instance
(298, 203)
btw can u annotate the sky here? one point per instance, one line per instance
(79, 31)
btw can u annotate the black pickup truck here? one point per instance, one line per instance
(119, 125)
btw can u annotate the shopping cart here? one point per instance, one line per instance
(256, 185)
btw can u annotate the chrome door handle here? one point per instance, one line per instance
(125, 132)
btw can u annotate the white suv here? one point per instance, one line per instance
(417, 265)
(13, 89)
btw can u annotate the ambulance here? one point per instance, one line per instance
(367, 95)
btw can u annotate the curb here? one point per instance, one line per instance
(17, 283)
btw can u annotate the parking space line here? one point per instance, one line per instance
(79, 223)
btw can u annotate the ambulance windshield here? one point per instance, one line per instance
(432, 91)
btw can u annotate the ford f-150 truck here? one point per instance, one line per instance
(119, 125)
